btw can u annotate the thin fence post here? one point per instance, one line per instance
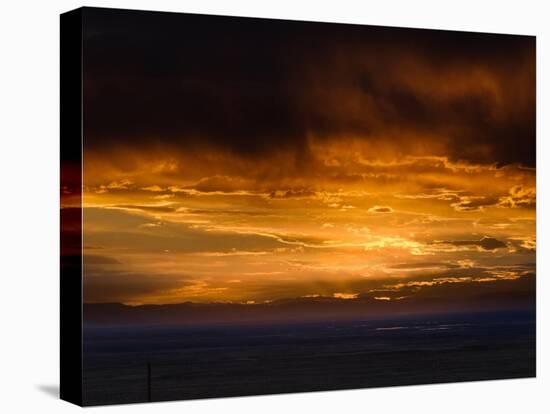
(148, 381)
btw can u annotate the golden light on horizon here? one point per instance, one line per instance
(354, 226)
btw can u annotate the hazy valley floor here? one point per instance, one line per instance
(202, 362)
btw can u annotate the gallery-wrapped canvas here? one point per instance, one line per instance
(259, 206)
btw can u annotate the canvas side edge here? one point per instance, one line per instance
(71, 207)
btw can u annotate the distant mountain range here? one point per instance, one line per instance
(310, 308)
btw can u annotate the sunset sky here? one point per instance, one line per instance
(249, 161)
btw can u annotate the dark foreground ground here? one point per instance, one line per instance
(203, 362)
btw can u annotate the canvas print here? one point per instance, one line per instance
(270, 206)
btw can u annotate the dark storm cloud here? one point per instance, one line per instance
(381, 209)
(486, 243)
(422, 265)
(153, 209)
(293, 193)
(113, 286)
(467, 203)
(253, 86)
(100, 260)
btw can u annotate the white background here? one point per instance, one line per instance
(29, 171)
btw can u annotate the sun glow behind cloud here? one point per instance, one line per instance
(342, 232)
